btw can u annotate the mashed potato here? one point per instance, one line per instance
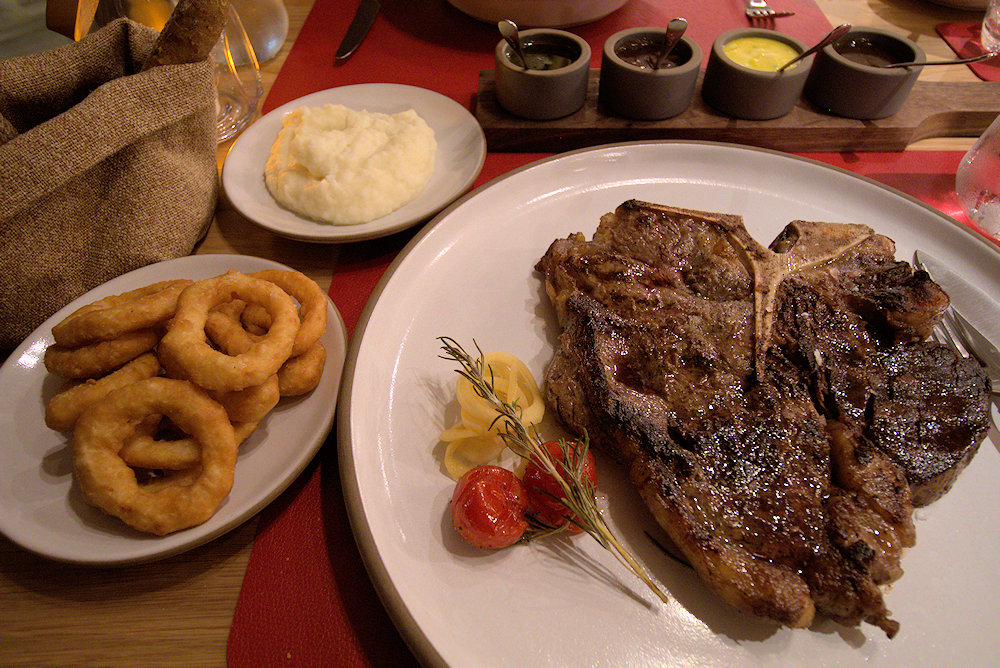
(345, 167)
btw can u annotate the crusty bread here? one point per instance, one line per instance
(190, 33)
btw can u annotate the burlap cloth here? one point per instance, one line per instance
(102, 170)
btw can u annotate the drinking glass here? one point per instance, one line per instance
(989, 34)
(237, 78)
(266, 23)
(237, 72)
(977, 181)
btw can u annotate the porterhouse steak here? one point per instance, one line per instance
(778, 409)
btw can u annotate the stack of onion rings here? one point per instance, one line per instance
(236, 326)
(156, 410)
(212, 369)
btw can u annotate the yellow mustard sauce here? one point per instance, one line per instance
(759, 53)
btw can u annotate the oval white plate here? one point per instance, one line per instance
(539, 13)
(41, 509)
(461, 150)
(469, 275)
(971, 5)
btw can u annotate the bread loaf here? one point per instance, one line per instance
(190, 33)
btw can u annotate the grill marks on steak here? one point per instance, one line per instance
(749, 392)
(858, 327)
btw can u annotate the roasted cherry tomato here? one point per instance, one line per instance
(488, 507)
(541, 485)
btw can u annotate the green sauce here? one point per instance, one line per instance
(546, 55)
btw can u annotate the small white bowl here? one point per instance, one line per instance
(629, 90)
(540, 94)
(539, 13)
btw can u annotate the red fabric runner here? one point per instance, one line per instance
(432, 45)
(963, 38)
(306, 598)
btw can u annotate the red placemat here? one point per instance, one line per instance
(306, 598)
(433, 45)
(963, 38)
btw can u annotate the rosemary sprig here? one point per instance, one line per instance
(524, 441)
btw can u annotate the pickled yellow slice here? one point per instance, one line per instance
(475, 439)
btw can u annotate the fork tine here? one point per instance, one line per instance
(951, 332)
(947, 330)
(765, 17)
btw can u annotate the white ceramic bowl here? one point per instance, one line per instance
(539, 13)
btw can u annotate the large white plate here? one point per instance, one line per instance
(469, 275)
(972, 5)
(461, 150)
(42, 510)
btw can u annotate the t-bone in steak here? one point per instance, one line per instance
(778, 409)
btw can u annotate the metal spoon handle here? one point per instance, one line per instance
(675, 30)
(974, 59)
(511, 34)
(831, 36)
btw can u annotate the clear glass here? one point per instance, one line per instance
(237, 78)
(237, 72)
(266, 22)
(977, 181)
(990, 32)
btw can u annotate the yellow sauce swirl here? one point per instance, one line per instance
(759, 53)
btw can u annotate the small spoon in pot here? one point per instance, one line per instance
(830, 37)
(675, 30)
(974, 59)
(509, 31)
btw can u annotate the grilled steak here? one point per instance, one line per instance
(777, 408)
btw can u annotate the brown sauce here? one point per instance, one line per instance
(644, 52)
(866, 52)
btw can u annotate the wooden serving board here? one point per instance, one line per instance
(933, 109)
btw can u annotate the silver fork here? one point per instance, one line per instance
(760, 13)
(958, 334)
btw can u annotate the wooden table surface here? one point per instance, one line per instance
(178, 611)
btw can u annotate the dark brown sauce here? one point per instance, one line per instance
(644, 52)
(866, 52)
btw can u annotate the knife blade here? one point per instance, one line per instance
(362, 21)
(973, 305)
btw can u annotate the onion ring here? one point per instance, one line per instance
(63, 409)
(113, 316)
(312, 306)
(298, 375)
(144, 450)
(211, 369)
(107, 481)
(224, 328)
(252, 403)
(252, 318)
(301, 374)
(98, 359)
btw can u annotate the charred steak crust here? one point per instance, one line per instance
(757, 397)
